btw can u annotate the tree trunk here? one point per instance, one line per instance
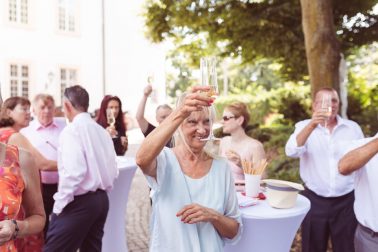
(322, 46)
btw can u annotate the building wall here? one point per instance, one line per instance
(130, 58)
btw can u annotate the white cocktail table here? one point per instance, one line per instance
(114, 239)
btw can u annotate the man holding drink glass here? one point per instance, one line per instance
(330, 193)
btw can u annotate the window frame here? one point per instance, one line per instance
(63, 84)
(75, 14)
(17, 21)
(19, 80)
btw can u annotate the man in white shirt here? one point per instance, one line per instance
(87, 169)
(330, 193)
(43, 133)
(363, 161)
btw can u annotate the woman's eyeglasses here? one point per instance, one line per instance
(226, 118)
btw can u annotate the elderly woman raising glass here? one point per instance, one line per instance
(193, 195)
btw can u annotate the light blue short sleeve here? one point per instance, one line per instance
(161, 164)
(232, 207)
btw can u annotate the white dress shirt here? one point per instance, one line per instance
(86, 160)
(46, 141)
(318, 161)
(366, 188)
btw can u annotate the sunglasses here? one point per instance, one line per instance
(226, 118)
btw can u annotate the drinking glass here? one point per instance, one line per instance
(209, 78)
(150, 79)
(110, 117)
(151, 82)
(326, 107)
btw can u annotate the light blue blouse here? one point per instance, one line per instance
(172, 190)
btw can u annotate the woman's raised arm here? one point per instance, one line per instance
(156, 140)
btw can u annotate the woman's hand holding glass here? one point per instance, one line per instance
(196, 101)
(112, 131)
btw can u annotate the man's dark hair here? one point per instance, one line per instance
(78, 97)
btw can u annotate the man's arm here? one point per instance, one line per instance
(302, 137)
(357, 158)
(143, 123)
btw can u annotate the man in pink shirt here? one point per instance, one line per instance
(43, 133)
(87, 169)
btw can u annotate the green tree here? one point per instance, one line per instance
(255, 29)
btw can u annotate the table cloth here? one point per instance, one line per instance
(114, 239)
(268, 229)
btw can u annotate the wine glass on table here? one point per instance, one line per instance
(326, 107)
(209, 78)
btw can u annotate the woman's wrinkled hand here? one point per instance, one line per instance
(233, 157)
(196, 100)
(7, 229)
(195, 213)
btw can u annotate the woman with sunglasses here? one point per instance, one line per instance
(238, 145)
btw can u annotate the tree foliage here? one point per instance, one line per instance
(363, 88)
(255, 29)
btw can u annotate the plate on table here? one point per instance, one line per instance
(247, 202)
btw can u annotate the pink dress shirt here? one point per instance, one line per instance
(46, 141)
(86, 160)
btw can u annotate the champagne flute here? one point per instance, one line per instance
(209, 78)
(151, 82)
(150, 79)
(326, 107)
(110, 117)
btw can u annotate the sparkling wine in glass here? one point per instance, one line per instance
(326, 107)
(209, 78)
(151, 82)
(110, 117)
(150, 79)
(213, 92)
